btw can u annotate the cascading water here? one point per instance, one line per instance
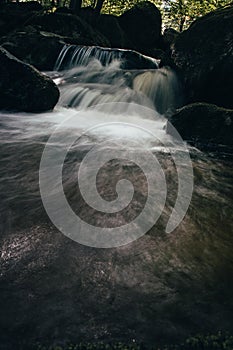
(160, 288)
(71, 56)
(95, 75)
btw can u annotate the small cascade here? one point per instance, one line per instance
(161, 86)
(84, 87)
(72, 56)
(87, 86)
(88, 95)
(88, 76)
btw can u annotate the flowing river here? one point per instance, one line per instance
(153, 284)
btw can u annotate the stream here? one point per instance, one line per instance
(148, 285)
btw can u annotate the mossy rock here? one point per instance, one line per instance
(202, 122)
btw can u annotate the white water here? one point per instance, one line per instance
(158, 288)
(121, 95)
(72, 56)
(98, 102)
(94, 76)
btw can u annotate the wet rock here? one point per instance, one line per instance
(204, 55)
(23, 88)
(205, 123)
(72, 56)
(142, 25)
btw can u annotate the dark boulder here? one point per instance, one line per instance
(40, 42)
(142, 25)
(204, 123)
(63, 9)
(169, 37)
(204, 55)
(14, 15)
(88, 14)
(109, 26)
(23, 88)
(35, 47)
(71, 26)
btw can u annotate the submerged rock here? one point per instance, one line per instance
(204, 54)
(205, 123)
(23, 88)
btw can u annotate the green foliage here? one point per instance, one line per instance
(120, 6)
(117, 7)
(181, 13)
(178, 14)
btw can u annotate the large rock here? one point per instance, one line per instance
(109, 26)
(169, 37)
(40, 42)
(15, 14)
(142, 25)
(204, 54)
(23, 88)
(71, 26)
(205, 123)
(38, 48)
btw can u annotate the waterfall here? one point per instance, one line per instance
(94, 75)
(160, 86)
(72, 56)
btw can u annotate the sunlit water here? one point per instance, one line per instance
(158, 289)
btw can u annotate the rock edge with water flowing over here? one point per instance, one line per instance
(38, 37)
(23, 88)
